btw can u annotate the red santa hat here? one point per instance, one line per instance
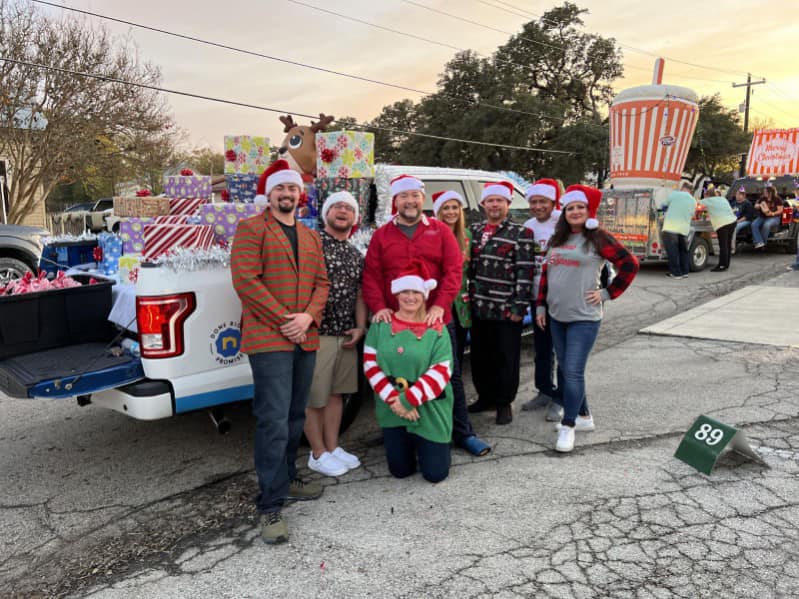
(404, 183)
(547, 188)
(414, 277)
(442, 197)
(278, 172)
(590, 196)
(503, 189)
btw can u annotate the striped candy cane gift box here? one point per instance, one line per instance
(185, 206)
(159, 239)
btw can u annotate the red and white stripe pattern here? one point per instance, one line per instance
(430, 385)
(650, 138)
(376, 377)
(159, 239)
(185, 206)
(175, 219)
(773, 152)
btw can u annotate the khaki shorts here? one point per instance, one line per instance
(336, 371)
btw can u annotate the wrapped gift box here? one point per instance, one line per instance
(348, 154)
(129, 268)
(225, 217)
(112, 250)
(242, 187)
(160, 238)
(131, 230)
(357, 187)
(246, 154)
(192, 186)
(144, 207)
(185, 206)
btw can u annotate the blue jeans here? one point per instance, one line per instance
(282, 380)
(573, 342)
(461, 424)
(403, 449)
(544, 362)
(761, 227)
(676, 247)
(740, 226)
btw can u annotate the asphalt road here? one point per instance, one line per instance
(96, 504)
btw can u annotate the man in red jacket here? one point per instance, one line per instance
(411, 235)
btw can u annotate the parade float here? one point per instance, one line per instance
(651, 128)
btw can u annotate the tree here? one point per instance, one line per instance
(542, 88)
(718, 142)
(59, 127)
(205, 161)
(399, 116)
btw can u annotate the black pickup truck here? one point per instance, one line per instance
(787, 232)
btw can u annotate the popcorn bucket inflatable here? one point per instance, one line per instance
(651, 127)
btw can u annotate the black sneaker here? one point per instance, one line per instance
(481, 405)
(671, 276)
(504, 415)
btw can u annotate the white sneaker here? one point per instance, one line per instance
(581, 423)
(565, 441)
(327, 464)
(346, 458)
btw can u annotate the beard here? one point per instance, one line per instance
(337, 226)
(284, 208)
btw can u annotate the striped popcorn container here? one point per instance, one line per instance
(160, 238)
(651, 128)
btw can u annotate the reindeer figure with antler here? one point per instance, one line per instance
(299, 145)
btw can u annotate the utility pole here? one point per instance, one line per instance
(749, 83)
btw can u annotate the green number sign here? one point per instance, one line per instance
(707, 439)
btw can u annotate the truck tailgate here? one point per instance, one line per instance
(68, 371)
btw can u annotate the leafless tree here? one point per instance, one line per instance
(57, 126)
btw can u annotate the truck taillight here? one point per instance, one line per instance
(160, 320)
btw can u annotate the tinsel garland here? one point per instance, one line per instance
(194, 259)
(361, 238)
(68, 238)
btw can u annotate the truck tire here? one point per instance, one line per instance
(12, 268)
(698, 254)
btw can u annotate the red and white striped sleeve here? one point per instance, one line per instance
(376, 377)
(430, 385)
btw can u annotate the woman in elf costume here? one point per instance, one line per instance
(408, 364)
(448, 208)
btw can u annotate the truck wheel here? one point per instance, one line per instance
(698, 253)
(11, 268)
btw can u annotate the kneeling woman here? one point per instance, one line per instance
(408, 364)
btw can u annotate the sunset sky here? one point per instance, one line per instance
(732, 37)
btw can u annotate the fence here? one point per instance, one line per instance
(67, 223)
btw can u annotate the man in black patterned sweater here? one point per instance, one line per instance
(501, 272)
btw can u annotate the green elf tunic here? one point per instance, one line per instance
(461, 305)
(422, 356)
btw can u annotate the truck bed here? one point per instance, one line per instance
(54, 373)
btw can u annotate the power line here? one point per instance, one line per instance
(292, 62)
(633, 48)
(111, 79)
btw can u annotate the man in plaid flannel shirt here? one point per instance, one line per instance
(501, 274)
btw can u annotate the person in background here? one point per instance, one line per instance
(448, 207)
(543, 198)
(570, 292)
(722, 219)
(343, 325)
(795, 265)
(769, 207)
(744, 213)
(680, 207)
(279, 275)
(408, 364)
(501, 273)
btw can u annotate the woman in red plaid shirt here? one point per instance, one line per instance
(570, 291)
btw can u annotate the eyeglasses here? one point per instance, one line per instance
(343, 206)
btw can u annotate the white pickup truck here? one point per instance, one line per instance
(188, 326)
